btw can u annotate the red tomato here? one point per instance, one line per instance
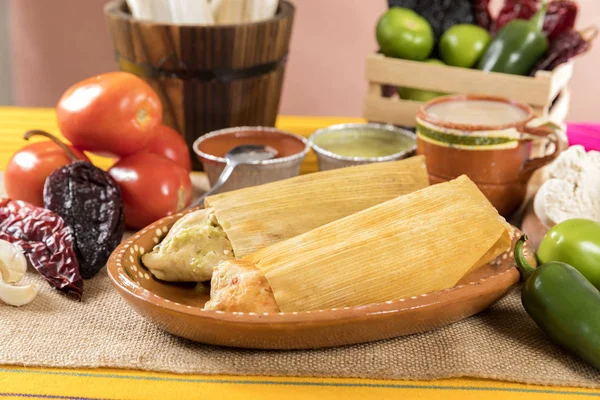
(29, 167)
(152, 187)
(113, 113)
(170, 144)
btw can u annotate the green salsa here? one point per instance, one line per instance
(364, 142)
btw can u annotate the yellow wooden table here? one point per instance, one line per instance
(41, 383)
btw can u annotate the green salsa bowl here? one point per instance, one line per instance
(344, 145)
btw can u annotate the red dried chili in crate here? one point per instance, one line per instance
(483, 17)
(565, 47)
(560, 18)
(516, 9)
(46, 241)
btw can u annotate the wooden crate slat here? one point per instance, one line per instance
(390, 110)
(560, 109)
(538, 91)
(413, 74)
(374, 89)
(560, 79)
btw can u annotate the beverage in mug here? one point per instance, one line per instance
(486, 138)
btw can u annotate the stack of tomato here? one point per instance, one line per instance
(120, 115)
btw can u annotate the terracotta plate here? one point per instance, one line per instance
(177, 308)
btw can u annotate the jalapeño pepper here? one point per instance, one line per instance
(517, 47)
(563, 303)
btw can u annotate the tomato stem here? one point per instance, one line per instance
(50, 136)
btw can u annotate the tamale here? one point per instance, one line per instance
(252, 218)
(194, 245)
(238, 286)
(411, 245)
(259, 216)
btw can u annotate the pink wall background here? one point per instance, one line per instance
(58, 42)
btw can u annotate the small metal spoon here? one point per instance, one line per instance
(240, 155)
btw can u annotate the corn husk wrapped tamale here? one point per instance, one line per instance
(252, 218)
(413, 244)
(259, 216)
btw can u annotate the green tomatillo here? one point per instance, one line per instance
(463, 45)
(402, 33)
(577, 243)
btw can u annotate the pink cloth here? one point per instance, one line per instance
(584, 134)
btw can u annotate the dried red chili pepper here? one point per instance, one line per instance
(565, 47)
(560, 18)
(46, 241)
(90, 202)
(516, 9)
(483, 17)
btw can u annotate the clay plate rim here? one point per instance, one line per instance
(126, 285)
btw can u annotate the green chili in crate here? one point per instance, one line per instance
(518, 46)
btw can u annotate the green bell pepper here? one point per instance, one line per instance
(517, 47)
(564, 304)
(577, 243)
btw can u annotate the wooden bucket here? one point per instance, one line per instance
(208, 77)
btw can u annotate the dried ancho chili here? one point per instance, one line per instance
(46, 241)
(516, 9)
(560, 18)
(441, 14)
(483, 17)
(565, 47)
(89, 201)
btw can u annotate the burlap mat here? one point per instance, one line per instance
(102, 331)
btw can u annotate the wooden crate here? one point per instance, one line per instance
(547, 92)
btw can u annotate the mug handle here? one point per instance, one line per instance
(553, 133)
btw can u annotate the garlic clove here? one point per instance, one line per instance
(17, 295)
(13, 264)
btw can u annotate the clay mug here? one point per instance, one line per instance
(490, 139)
